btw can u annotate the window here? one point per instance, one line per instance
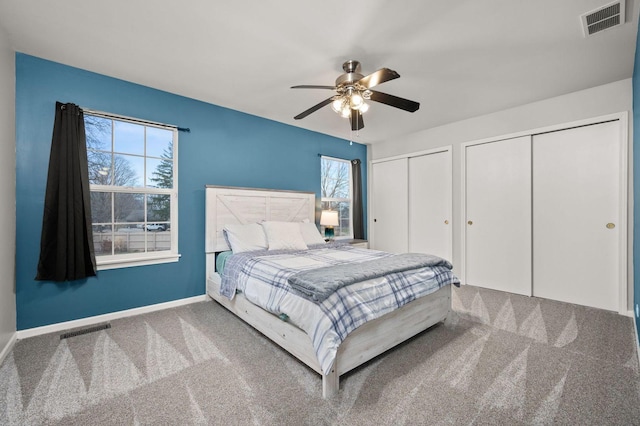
(336, 192)
(134, 190)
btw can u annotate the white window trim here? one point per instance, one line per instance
(349, 200)
(127, 260)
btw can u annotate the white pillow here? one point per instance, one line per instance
(248, 237)
(310, 234)
(284, 236)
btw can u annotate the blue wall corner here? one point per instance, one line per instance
(224, 147)
(636, 185)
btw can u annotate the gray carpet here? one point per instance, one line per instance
(502, 359)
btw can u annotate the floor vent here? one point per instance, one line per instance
(85, 331)
(603, 18)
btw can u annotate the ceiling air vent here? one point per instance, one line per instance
(603, 18)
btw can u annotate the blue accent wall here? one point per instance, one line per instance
(636, 185)
(225, 147)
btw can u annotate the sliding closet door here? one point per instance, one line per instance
(576, 215)
(498, 215)
(430, 204)
(390, 201)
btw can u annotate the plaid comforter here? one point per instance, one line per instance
(263, 277)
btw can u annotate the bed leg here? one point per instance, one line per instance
(451, 319)
(330, 383)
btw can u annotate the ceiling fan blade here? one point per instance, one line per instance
(356, 120)
(381, 76)
(309, 86)
(395, 101)
(314, 108)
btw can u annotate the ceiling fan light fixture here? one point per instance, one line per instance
(356, 100)
(352, 99)
(336, 105)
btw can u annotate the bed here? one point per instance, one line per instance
(229, 206)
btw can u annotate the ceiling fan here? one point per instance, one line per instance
(354, 90)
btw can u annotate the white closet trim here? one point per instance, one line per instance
(445, 148)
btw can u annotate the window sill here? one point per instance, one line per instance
(359, 243)
(130, 261)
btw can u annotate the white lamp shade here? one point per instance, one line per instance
(329, 218)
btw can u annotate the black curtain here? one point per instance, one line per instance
(358, 222)
(66, 246)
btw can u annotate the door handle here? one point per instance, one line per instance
(611, 225)
(470, 222)
(446, 222)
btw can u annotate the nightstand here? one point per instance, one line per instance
(359, 243)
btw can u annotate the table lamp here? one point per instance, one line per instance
(329, 219)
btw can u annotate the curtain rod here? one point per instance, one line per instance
(337, 158)
(333, 156)
(135, 120)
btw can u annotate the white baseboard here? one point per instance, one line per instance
(7, 348)
(84, 322)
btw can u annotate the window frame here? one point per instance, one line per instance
(339, 200)
(123, 260)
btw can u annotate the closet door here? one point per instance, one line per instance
(390, 206)
(430, 204)
(498, 215)
(576, 215)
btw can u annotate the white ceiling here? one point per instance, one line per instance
(459, 59)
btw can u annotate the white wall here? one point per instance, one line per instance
(598, 101)
(7, 192)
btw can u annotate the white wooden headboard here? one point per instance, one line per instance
(228, 206)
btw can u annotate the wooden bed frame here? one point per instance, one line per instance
(226, 205)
